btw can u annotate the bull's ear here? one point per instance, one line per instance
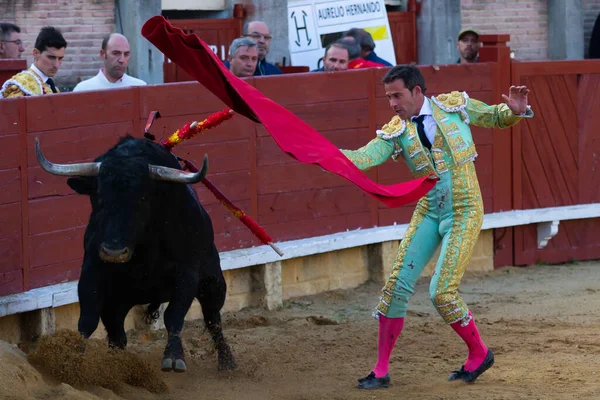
(83, 184)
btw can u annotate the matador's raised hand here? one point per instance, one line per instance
(517, 99)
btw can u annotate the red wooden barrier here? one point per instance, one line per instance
(10, 67)
(42, 221)
(557, 159)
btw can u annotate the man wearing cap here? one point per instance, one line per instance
(468, 46)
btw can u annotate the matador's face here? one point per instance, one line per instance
(405, 103)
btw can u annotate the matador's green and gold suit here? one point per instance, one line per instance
(451, 213)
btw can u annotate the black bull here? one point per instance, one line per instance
(148, 241)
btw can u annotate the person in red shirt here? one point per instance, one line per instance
(356, 61)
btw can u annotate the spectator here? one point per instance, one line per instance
(356, 61)
(468, 46)
(595, 40)
(367, 45)
(336, 57)
(243, 57)
(11, 45)
(115, 53)
(48, 54)
(259, 32)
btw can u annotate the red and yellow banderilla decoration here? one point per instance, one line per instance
(193, 128)
(190, 130)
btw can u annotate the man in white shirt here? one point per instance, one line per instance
(115, 55)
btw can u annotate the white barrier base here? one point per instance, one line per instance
(547, 219)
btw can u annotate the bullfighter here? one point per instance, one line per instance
(433, 136)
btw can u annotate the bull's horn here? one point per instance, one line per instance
(177, 176)
(82, 169)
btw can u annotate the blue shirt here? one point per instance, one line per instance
(374, 58)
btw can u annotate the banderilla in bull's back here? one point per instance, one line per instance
(192, 129)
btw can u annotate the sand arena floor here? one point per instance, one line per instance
(542, 322)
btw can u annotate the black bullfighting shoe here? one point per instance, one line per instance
(470, 377)
(371, 382)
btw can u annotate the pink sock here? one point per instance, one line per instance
(389, 330)
(470, 335)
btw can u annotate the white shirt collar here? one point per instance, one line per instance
(425, 108)
(40, 73)
(101, 73)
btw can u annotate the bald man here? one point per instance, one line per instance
(115, 53)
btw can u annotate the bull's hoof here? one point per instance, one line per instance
(169, 364)
(227, 362)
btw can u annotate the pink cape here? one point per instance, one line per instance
(302, 143)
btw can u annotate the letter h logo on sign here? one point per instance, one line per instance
(302, 30)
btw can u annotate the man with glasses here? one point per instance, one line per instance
(259, 32)
(11, 45)
(48, 54)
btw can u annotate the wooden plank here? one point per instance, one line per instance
(565, 88)
(589, 140)
(56, 247)
(234, 185)
(223, 220)
(552, 145)
(253, 166)
(269, 153)
(556, 67)
(308, 89)
(55, 273)
(77, 144)
(399, 215)
(485, 168)
(536, 180)
(373, 203)
(311, 204)
(10, 186)
(11, 67)
(24, 178)
(393, 172)
(9, 119)
(525, 242)
(540, 160)
(173, 99)
(296, 177)
(488, 204)
(317, 227)
(10, 255)
(58, 213)
(239, 239)
(222, 157)
(10, 153)
(10, 220)
(350, 114)
(42, 184)
(11, 282)
(68, 110)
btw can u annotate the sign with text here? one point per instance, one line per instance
(314, 24)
